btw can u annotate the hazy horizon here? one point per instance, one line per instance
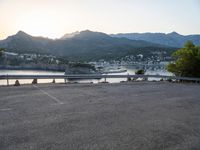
(53, 19)
(92, 31)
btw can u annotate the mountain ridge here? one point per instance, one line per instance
(85, 45)
(172, 39)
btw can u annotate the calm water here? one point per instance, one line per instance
(130, 70)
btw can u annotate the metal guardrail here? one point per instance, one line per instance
(92, 76)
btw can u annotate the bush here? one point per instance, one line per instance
(169, 80)
(140, 72)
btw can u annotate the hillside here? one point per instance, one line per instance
(172, 39)
(85, 45)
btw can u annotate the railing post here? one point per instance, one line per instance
(7, 80)
(105, 79)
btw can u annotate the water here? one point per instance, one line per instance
(130, 70)
(30, 72)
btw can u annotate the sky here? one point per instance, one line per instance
(54, 18)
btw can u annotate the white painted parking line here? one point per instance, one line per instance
(6, 109)
(52, 97)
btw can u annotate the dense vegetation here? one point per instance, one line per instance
(187, 62)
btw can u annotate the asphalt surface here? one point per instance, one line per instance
(126, 116)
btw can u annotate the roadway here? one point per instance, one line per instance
(135, 116)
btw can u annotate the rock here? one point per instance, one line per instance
(128, 79)
(17, 83)
(34, 81)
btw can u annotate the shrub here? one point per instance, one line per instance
(140, 72)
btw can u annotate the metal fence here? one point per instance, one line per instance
(94, 76)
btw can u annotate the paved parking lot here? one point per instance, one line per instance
(135, 116)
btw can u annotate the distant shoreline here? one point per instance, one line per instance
(31, 68)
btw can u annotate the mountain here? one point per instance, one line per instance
(25, 43)
(84, 45)
(70, 35)
(172, 39)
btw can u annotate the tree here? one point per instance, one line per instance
(187, 61)
(1, 52)
(1, 55)
(140, 72)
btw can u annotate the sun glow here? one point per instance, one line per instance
(40, 24)
(42, 18)
(53, 18)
